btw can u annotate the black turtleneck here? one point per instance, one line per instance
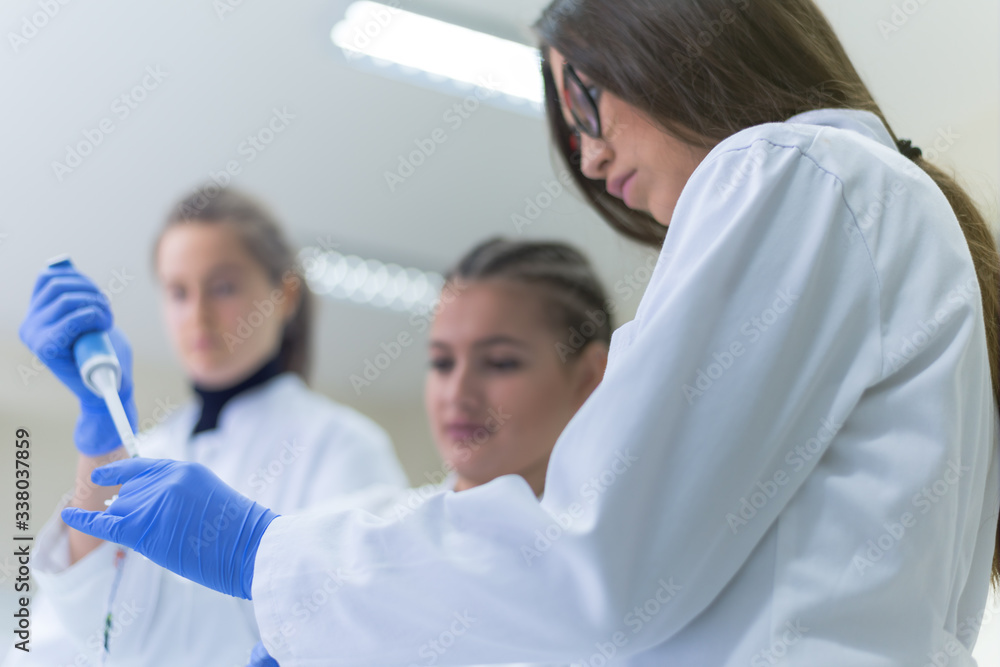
(213, 400)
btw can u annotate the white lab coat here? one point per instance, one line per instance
(791, 459)
(280, 444)
(385, 502)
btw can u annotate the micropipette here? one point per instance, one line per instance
(101, 372)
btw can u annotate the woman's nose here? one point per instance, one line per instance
(595, 156)
(201, 309)
(464, 388)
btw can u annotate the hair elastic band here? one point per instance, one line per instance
(907, 148)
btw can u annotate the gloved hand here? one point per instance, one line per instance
(182, 517)
(261, 658)
(64, 306)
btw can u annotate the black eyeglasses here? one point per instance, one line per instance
(581, 100)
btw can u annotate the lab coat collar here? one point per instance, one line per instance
(863, 122)
(448, 483)
(253, 400)
(214, 400)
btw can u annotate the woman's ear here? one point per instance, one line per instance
(591, 364)
(291, 287)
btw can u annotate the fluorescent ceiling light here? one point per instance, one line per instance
(443, 51)
(369, 281)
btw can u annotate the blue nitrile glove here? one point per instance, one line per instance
(64, 306)
(182, 517)
(261, 658)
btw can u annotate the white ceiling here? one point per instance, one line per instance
(324, 174)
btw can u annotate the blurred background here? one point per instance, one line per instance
(191, 87)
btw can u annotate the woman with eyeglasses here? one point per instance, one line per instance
(793, 454)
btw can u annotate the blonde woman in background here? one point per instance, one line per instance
(239, 316)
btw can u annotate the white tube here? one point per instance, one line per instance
(106, 381)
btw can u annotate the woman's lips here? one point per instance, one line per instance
(203, 344)
(464, 432)
(617, 186)
(627, 190)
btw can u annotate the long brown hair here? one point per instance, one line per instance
(260, 232)
(707, 69)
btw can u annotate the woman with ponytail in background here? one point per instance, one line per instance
(792, 458)
(223, 263)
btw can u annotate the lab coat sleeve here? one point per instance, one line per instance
(757, 335)
(77, 592)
